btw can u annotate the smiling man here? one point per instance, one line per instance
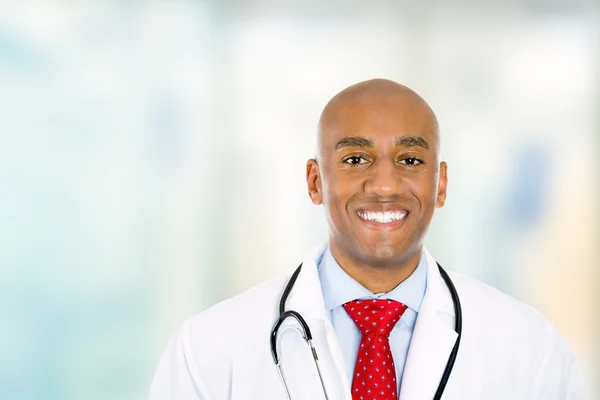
(379, 175)
(386, 321)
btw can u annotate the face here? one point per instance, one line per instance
(379, 178)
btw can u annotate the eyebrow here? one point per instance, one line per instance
(402, 141)
(353, 141)
(412, 141)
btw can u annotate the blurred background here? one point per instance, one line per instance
(152, 161)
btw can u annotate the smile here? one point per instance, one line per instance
(383, 217)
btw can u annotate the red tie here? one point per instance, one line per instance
(374, 372)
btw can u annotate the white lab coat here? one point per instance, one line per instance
(508, 351)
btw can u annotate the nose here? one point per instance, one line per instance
(383, 179)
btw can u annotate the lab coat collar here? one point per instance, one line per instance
(433, 338)
(307, 297)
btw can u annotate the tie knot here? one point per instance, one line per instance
(376, 317)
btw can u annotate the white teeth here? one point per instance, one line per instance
(382, 217)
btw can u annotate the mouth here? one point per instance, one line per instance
(383, 220)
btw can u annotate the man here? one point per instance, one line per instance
(381, 315)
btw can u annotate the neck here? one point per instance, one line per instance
(378, 278)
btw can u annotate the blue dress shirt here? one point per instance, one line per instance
(338, 288)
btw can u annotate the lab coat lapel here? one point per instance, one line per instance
(432, 340)
(307, 298)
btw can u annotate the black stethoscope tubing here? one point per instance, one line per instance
(283, 314)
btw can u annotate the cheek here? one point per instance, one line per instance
(336, 198)
(425, 190)
(338, 189)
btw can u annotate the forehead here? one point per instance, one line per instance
(379, 119)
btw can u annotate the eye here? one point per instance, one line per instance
(355, 160)
(411, 161)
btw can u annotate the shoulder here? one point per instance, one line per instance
(501, 328)
(234, 329)
(236, 320)
(487, 310)
(256, 303)
(483, 300)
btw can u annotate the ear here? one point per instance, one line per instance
(442, 185)
(313, 181)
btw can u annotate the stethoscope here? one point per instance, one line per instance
(307, 335)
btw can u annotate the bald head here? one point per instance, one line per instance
(379, 177)
(377, 104)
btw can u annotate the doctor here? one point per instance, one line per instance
(382, 317)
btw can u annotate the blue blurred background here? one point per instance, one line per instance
(152, 163)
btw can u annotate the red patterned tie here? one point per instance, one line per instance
(374, 372)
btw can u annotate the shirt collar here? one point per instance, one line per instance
(338, 287)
